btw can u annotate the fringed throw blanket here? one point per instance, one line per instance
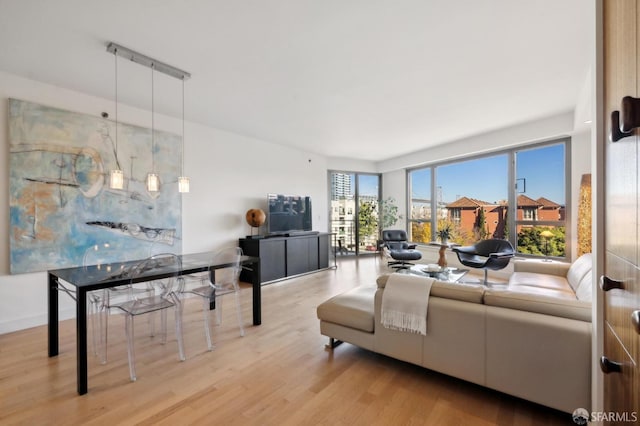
(404, 303)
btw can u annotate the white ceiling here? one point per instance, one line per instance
(367, 79)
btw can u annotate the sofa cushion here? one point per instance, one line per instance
(535, 265)
(543, 301)
(353, 308)
(472, 293)
(544, 281)
(457, 291)
(564, 294)
(578, 270)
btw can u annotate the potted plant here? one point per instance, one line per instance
(444, 233)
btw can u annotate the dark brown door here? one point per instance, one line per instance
(621, 280)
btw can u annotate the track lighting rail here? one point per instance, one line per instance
(141, 59)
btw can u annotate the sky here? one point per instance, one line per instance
(540, 172)
(368, 184)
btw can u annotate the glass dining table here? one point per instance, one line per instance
(97, 277)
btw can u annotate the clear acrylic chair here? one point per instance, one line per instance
(225, 281)
(164, 298)
(102, 256)
(99, 256)
(94, 257)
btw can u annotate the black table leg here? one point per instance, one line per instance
(257, 294)
(81, 341)
(53, 315)
(212, 298)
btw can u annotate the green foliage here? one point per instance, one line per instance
(464, 237)
(480, 227)
(531, 242)
(367, 220)
(506, 224)
(456, 233)
(372, 221)
(389, 213)
(421, 232)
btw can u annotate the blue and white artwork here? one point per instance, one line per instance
(60, 201)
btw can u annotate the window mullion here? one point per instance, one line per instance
(512, 199)
(434, 203)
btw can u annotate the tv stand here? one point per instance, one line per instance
(275, 235)
(287, 256)
(300, 233)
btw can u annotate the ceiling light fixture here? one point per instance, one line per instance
(153, 180)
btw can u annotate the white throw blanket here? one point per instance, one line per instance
(404, 303)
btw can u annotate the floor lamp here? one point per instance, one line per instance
(546, 234)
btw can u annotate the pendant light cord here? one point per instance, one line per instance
(153, 166)
(182, 126)
(116, 90)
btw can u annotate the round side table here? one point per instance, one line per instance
(442, 260)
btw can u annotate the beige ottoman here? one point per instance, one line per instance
(349, 317)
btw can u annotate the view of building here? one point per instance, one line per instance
(472, 219)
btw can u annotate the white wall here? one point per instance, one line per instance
(351, 165)
(394, 185)
(229, 175)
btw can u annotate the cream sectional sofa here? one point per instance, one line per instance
(530, 338)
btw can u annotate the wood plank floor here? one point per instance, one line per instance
(278, 374)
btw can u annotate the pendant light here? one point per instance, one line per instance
(183, 181)
(153, 181)
(116, 177)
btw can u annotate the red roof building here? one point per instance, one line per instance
(465, 214)
(550, 210)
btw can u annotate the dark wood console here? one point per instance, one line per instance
(284, 257)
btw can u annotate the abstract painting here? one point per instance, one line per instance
(60, 201)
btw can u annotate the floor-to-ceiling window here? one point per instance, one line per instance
(354, 211)
(420, 205)
(541, 200)
(472, 196)
(517, 194)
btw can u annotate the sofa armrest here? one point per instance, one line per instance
(551, 268)
(542, 304)
(381, 281)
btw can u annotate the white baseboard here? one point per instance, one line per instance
(33, 321)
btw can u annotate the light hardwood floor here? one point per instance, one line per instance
(278, 374)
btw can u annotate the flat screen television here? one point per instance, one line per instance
(288, 213)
